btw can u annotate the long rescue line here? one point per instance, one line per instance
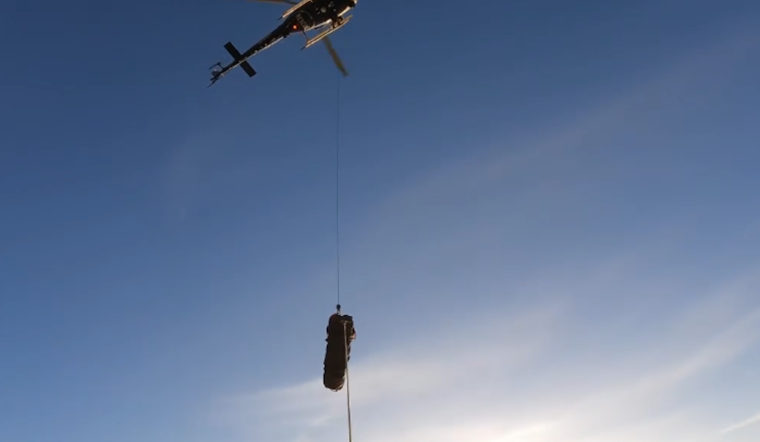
(340, 328)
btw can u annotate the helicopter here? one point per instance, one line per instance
(307, 15)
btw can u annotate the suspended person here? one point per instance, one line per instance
(340, 334)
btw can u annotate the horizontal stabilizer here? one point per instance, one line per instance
(239, 59)
(233, 51)
(248, 68)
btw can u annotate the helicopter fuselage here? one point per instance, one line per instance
(308, 16)
(316, 14)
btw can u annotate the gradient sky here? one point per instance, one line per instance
(550, 223)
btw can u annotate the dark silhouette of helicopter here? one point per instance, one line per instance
(308, 15)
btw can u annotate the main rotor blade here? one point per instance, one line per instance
(335, 57)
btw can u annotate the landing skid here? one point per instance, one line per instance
(327, 32)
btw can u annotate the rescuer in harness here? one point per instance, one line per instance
(340, 334)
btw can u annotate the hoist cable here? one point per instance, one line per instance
(337, 189)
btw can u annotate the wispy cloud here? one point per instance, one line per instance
(743, 424)
(497, 377)
(643, 405)
(201, 163)
(637, 105)
(431, 363)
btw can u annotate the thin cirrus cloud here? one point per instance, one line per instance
(754, 420)
(533, 161)
(425, 368)
(503, 381)
(426, 364)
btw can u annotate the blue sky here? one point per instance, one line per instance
(549, 223)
